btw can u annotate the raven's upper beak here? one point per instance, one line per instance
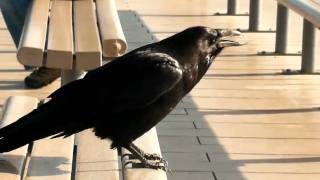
(224, 41)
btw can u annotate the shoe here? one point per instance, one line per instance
(41, 77)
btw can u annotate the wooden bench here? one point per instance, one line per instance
(74, 36)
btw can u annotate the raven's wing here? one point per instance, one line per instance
(128, 83)
(132, 81)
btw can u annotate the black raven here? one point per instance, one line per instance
(126, 97)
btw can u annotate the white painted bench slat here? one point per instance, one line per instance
(94, 158)
(60, 36)
(32, 42)
(113, 40)
(11, 163)
(150, 144)
(51, 159)
(87, 41)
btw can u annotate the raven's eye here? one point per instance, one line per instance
(211, 41)
(207, 59)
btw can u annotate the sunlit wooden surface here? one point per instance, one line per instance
(244, 120)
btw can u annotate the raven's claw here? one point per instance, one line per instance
(157, 158)
(153, 157)
(157, 164)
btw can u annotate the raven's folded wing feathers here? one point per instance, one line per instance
(132, 81)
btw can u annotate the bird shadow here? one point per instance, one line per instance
(46, 166)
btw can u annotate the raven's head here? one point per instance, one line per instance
(210, 43)
(195, 48)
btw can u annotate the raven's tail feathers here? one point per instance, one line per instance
(38, 124)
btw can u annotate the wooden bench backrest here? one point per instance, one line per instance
(71, 34)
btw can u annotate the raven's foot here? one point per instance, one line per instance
(157, 164)
(157, 158)
(153, 157)
(153, 161)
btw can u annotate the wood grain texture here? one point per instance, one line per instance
(11, 163)
(87, 41)
(113, 41)
(32, 42)
(60, 36)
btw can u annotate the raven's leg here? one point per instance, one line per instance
(147, 155)
(150, 161)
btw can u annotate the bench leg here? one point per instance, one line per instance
(70, 75)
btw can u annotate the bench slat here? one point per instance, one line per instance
(51, 159)
(32, 43)
(113, 41)
(60, 36)
(11, 163)
(87, 41)
(94, 158)
(150, 144)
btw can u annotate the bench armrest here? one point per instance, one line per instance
(113, 41)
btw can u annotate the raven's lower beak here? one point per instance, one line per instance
(226, 35)
(228, 43)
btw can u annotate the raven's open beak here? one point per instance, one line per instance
(226, 34)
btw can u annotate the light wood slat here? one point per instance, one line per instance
(32, 42)
(51, 159)
(113, 41)
(60, 36)
(2, 23)
(150, 144)
(94, 158)
(87, 42)
(11, 163)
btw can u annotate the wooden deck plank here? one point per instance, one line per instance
(266, 176)
(175, 24)
(12, 163)
(99, 162)
(87, 41)
(60, 36)
(228, 145)
(32, 44)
